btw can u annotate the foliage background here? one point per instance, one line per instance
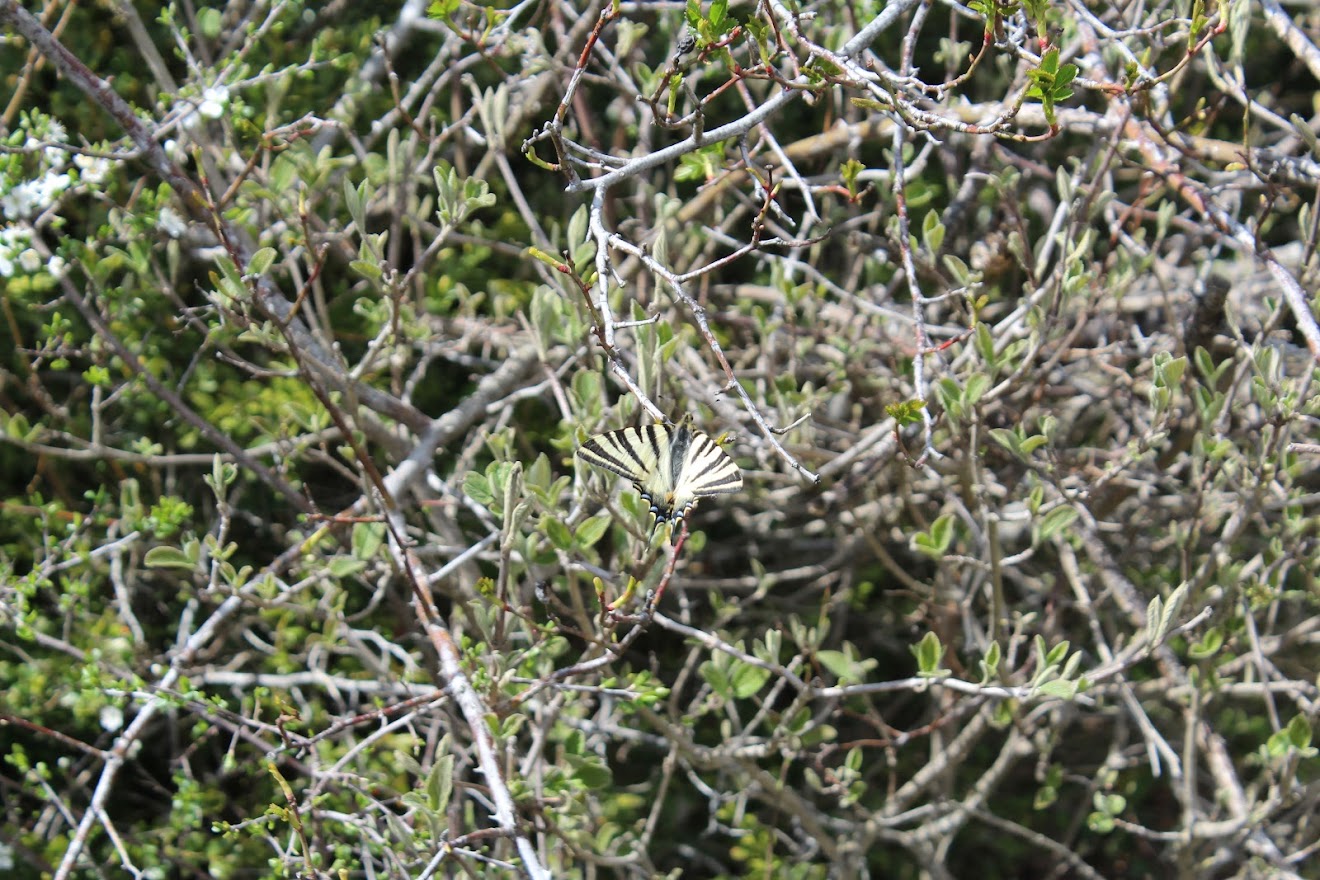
(1006, 310)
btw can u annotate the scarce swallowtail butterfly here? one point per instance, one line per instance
(670, 466)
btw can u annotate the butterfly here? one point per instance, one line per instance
(670, 466)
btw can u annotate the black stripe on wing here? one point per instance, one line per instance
(629, 453)
(708, 470)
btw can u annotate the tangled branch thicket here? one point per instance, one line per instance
(1005, 308)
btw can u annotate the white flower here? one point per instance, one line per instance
(34, 196)
(93, 169)
(49, 186)
(56, 156)
(55, 132)
(20, 200)
(12, 238)
(112, 718)
(211, 106)
(56, 266)
(29, 260)
(213, 103)
(171, 223)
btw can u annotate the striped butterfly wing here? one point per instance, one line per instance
(703, 469)
(640, 454)
(671, 468)
(634, 453)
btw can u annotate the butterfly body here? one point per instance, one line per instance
(671, 467)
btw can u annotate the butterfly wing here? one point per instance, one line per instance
(707, 470)
(671, 468)
(640, 454)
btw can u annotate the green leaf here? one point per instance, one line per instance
(1100, 823)
(716, 678)
(557, 532)
(1004, 713)
(440, 783)
(1009, 439)
(590, 771)
(692, 14)
(344, 566)
(719, 11)
(1109, 803)
(849, 172)
(1168, 614)
(1055, 521)
(932, 232)
(1299, 732)
(355, 199)
(1278, 745)
(168, 557)
(539, 474)
(367, 539)
(1303, 128)
(960, 271)
(1064, 690)
(1209, 644)
(907, 412)
(17, 426)
(990, 664)
(843, 667)
(591, 530)
(748, 679)
(261, 261)
(477, 487)
(929, 652)
(210, 22)
(977, 385)
(1055, 654)
(1032, 443)
(985, 344)
(441, 9)
(547, 315)
(935, 543)
(367, 269)
(1154, 612)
